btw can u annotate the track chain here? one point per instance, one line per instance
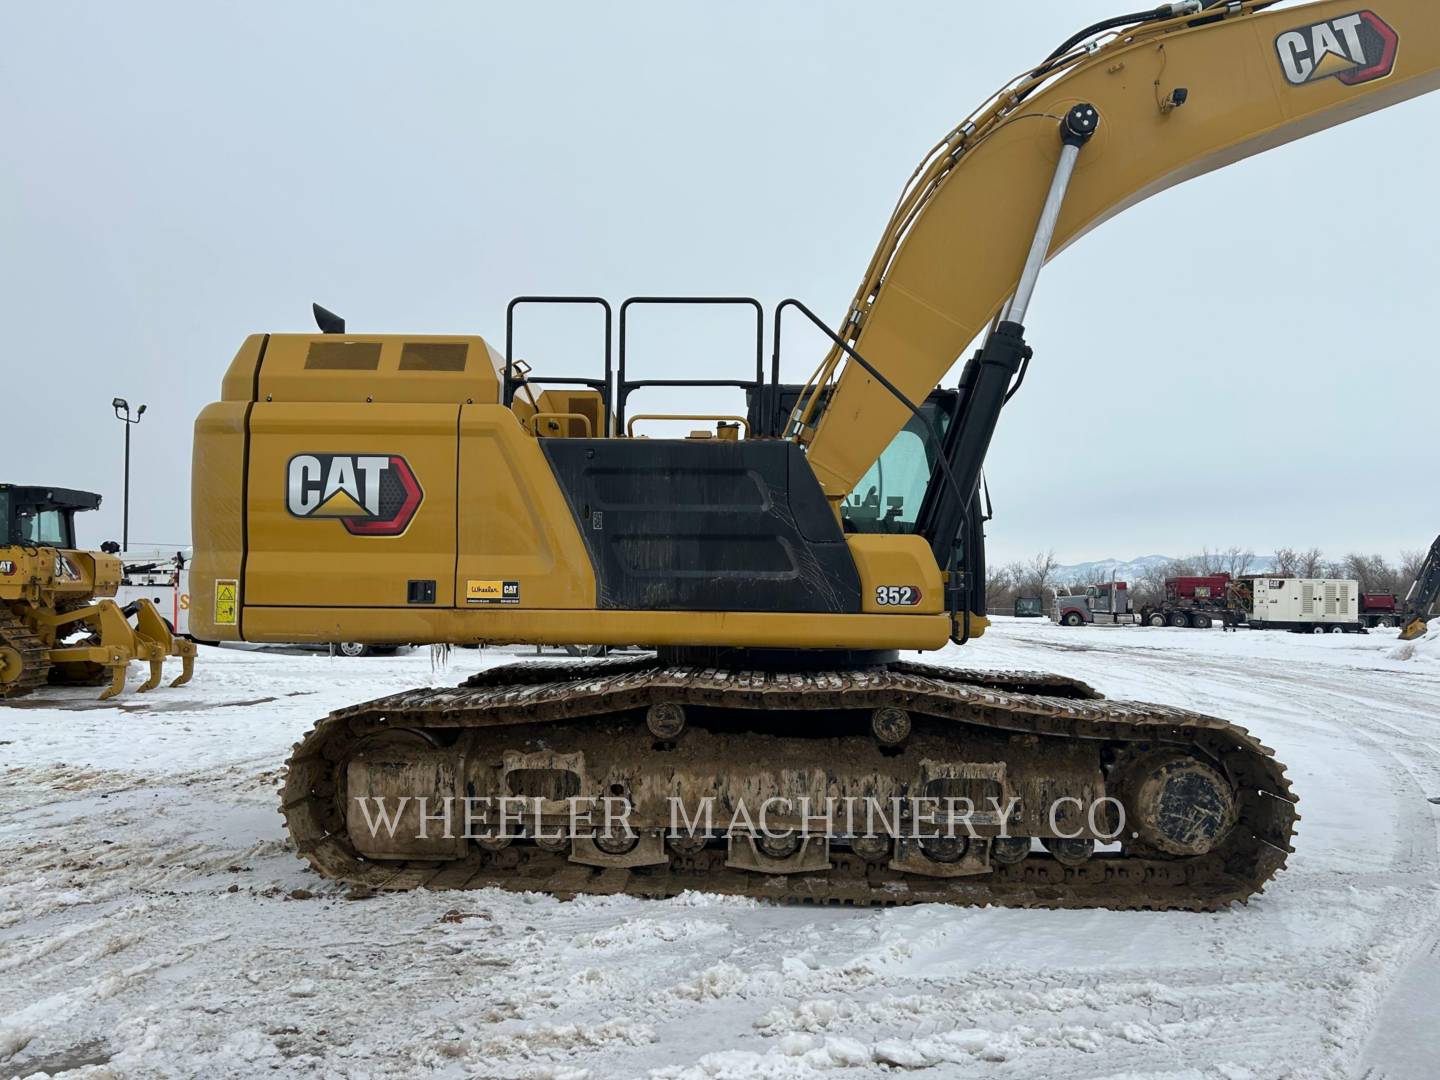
(1011, 702)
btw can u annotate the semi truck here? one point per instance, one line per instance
(1106, 604)
(1196, 601)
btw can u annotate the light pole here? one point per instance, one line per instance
(122, 413)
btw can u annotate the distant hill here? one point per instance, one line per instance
(1087, 573)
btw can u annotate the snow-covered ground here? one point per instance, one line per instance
(154, 923)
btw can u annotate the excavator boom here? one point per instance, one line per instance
(1177, 98)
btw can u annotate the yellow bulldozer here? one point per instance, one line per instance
(58, 623)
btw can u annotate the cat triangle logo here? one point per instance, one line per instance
(340, 505)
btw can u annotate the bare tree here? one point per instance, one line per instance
(999, 588)
(1236, 561)
(1310, 563)
(1287, 562)
(1373, 573)
(1150, 589)
(1409, 570)
(1039, 573)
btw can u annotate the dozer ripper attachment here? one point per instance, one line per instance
(58, 621)
(108, 643)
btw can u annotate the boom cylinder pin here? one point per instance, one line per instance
(1076, 129)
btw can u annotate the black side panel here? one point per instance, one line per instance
(705, 525)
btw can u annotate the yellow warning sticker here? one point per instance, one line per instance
(227, 602)
(492, 592)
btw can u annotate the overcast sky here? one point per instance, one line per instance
(1248, 359)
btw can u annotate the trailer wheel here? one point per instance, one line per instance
(1384, 622)
(1157, 618)
(1200, 622)
(1178, 620)
(1337, 630)
(1073, 618)
(1317, 629)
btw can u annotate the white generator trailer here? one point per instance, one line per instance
(1306, 605)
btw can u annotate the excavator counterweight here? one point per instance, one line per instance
(774, 743)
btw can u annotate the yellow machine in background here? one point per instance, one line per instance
(57, 623)
(1423, 594)
(412, 488)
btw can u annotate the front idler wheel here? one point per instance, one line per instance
(12, 664)
(1177, 804)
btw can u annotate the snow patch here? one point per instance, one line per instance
(1425, 648)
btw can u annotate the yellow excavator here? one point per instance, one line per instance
(409, 488)
(58, 623)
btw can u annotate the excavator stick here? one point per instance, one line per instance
(1422, 595)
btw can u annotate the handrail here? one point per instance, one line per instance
(510, 383)
(624, 386)
(534, 422)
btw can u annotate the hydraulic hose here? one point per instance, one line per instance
(1164, 11)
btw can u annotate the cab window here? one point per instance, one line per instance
(45, 528)
(887, 499)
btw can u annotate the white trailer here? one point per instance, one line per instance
(1306, 605)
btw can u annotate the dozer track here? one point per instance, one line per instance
(24, 660)
(529, 722)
